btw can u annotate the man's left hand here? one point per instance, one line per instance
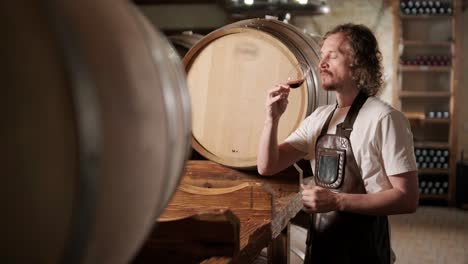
(319, 200)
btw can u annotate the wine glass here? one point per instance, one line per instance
(298, 74)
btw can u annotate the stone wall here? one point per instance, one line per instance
(377, 15)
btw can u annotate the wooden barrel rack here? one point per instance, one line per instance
(223, 215)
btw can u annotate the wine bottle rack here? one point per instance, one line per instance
(427, 58)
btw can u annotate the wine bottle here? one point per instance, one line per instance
(445, 184)
(423, 184)
(417, 152)
(445, 153)
(403, 5)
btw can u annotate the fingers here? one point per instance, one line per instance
(279, 90)
(277, 101)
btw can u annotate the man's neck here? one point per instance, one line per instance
(345, 98)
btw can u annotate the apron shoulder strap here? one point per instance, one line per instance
(327, 122)
(345, 128)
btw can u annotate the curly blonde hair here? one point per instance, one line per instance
(366, 57)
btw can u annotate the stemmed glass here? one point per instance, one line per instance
(298, 74)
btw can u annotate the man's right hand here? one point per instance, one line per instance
(277, 101)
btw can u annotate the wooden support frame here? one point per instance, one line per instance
(263, 205)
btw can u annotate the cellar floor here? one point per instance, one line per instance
(432, 235)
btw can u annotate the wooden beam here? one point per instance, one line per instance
(173, 2)
(278, 249)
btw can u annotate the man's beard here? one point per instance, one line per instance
(329, 87)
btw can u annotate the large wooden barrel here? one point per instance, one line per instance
(184, 41)
(229, 74)
(96, 132)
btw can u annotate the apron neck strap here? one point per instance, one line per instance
(345, 128)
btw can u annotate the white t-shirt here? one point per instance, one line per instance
(381, 141)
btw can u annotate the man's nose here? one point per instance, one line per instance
(323, 63)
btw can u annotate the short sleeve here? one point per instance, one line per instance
(300, 138)
(395, 139)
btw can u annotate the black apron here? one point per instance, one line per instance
(343, 237)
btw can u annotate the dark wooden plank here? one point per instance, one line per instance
(278, 249)
(190, 240)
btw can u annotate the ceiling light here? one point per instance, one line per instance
(325, 9)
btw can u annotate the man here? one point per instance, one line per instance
(361, 152)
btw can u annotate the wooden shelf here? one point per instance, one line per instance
(447, 44)
(424, 68)
(402, 16)
(415, 94)
(435, 145)
(422, 118)
(432, 120)
(436, 120)
(433, 171)
(433, 197)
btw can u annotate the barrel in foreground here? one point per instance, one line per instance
(97, 130)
